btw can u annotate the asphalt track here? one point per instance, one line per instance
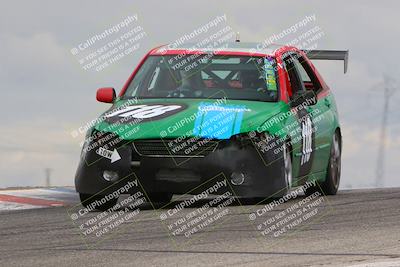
(353, 228)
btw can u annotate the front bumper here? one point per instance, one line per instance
(263, 172)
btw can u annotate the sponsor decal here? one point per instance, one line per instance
(270, 73)
(112, 155)
(218, 121)
(143, 113)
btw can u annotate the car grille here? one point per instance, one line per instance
(173, 148)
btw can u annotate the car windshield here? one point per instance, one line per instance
(205, 76)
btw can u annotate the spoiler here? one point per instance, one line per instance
(329, 55)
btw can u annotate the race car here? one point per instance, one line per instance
(259, 120)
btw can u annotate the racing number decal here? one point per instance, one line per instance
(143, 112)
(306, 133)
(307, 142)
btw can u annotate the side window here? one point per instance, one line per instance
(295, 80)
(303, 74)
(307, 75)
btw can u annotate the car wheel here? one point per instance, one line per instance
(287, 159)
(96, 202)
(331, 184)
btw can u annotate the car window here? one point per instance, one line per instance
(206, 76)
(303, 74)
(307, 75)
(296, 84)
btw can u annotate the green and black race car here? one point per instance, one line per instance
(261, 119)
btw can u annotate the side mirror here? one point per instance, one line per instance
(307, 98)
(106, 95)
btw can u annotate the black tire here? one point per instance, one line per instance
(287, 165)
(163, 198)
(285, 185)
(331, 184)
(88, 201)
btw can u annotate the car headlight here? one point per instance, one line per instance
(252, 138)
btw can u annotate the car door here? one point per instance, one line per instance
(300, 126)
(320, 114)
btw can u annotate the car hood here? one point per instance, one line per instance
(176, 117)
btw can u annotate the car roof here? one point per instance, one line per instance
(228, 48)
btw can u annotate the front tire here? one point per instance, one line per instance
(287, 159)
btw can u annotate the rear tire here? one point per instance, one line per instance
(331, 184)
(88, 201)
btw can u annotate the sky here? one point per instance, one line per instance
(47, 94)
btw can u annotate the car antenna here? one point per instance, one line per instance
(237, 37)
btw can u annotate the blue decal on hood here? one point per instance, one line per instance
(218, 121)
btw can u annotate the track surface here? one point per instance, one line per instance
(357, 227)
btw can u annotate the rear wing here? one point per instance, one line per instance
(329, 55)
